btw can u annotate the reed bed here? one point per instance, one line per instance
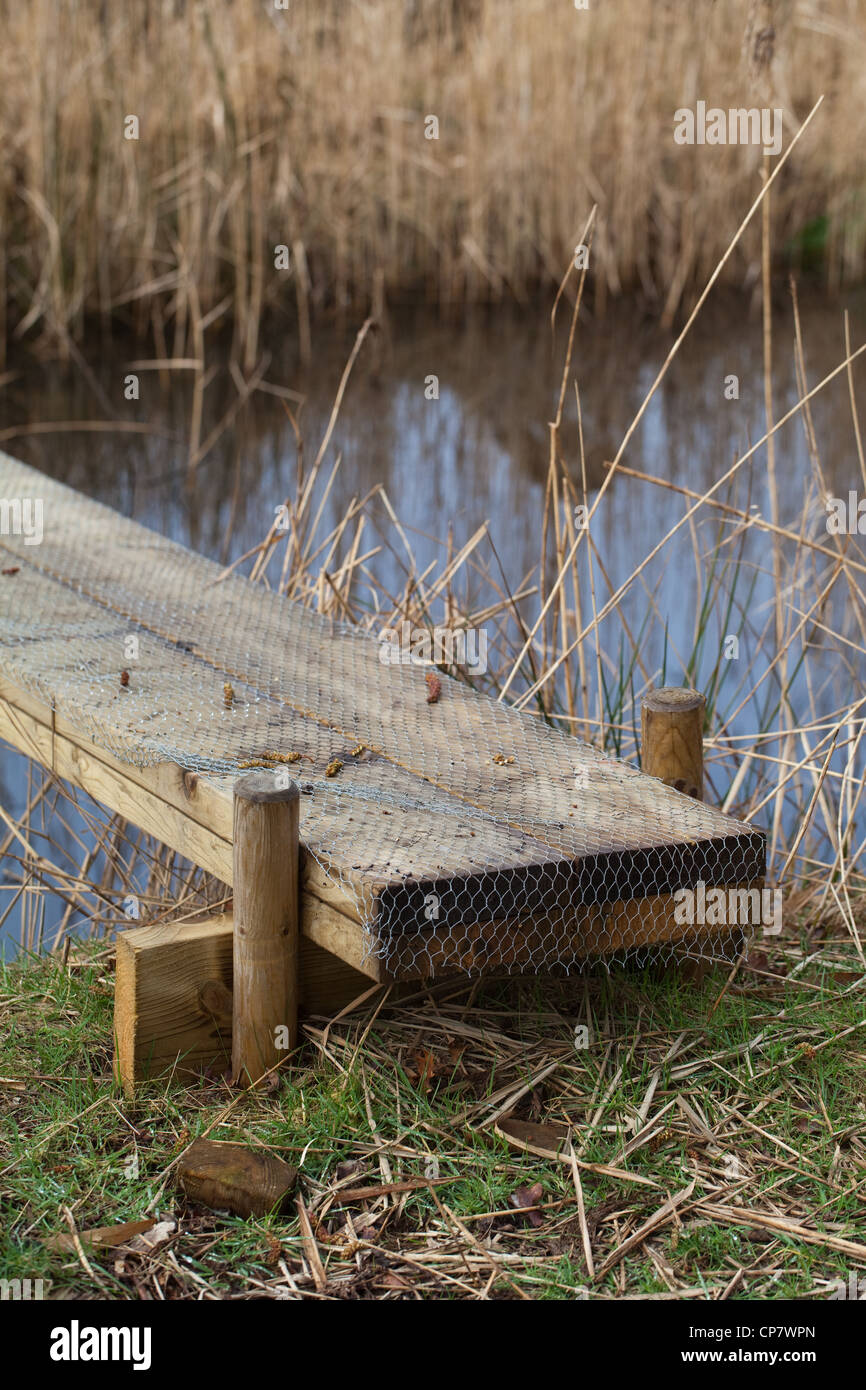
(714, 1142)
(304, 128)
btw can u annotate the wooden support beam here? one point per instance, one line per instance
(265, 1008)
(164, 998)
(173, 991)
(173, 996)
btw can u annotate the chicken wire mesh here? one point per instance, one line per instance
(459, 832)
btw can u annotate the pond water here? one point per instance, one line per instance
(477, 452)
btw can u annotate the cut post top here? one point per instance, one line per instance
(673, 699)
(261, 788)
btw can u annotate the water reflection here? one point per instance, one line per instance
(479, 452)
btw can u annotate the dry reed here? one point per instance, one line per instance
(305, 128)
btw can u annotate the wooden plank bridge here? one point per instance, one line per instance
(534, 848)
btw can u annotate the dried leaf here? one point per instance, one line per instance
(349, 1168)
(423, 1069)
(390, 1280)
(153, 1238)
(101, 1236)
(758, 960)
(434, 687)
(524, 1196)
(275, 1250)
(807, 1126)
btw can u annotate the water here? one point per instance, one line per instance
(478, 453)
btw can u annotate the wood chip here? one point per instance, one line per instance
(234, 1177)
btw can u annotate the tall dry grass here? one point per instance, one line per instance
(305, 128)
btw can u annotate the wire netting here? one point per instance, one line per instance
(459, 832)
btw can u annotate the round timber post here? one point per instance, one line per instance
(672, 748)
(266, 911)
(672, 738)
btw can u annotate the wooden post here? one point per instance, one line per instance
(672, 738)
(265, 993)
(672, 749)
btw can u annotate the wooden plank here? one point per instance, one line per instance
(484, 812)
(173, 806)
(138, 794)
(173, 995)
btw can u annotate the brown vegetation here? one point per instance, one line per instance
(305, 128)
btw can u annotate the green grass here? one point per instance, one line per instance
(70, 1138)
